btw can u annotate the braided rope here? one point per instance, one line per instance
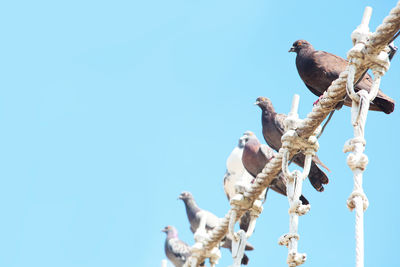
(334, 94)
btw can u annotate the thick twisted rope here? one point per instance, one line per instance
(335, 93)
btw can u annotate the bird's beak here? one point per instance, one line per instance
(180, 197)
(292, 49)
(256, 103)
(241, 142)
(163, 230)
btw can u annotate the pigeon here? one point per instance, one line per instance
(194, 214)
(255, 156)
(318, 69)
(273, 129)
(236, 173)
(176, 250)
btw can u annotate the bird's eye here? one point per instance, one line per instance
(299, 43)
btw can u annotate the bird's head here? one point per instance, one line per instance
(264, 103)
(245, 137)
(170, 230)
(299, 45)
(185, 195)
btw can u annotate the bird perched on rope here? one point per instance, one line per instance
(255, 156)
(318, 69)
(176, 250)
(237, 174)
(194, 214)
(273, 129)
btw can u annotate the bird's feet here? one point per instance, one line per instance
(316, 102)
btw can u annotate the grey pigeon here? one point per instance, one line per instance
(273, 129)
(255, 156)
(194, 216)
(176, 250)
(318, 69)
(236, 173)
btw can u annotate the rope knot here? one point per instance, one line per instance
(350, 145)
(351, 201)
(257, 208)
(284, 240)
(298, 208)
(296, 259)
(357, 161)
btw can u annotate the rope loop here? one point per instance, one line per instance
(372, 44)
(238, 247)
(361, 56)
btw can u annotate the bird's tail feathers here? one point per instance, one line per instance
(245, 260)
(384, 103)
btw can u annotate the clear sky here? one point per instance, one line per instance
(109, 109)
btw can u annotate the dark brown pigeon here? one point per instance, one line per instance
(273, 129)
(194, 217)
(318, 69)
(255, 156)
(176, 250)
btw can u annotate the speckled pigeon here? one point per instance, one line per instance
(318, 69)
(273, 129)
(255, 156)
(236, 173)
(193, 213)
(176, 250)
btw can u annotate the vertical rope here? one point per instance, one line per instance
(334, 94)
(379, 63)
(294, 180)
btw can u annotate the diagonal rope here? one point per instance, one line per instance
(335, 93)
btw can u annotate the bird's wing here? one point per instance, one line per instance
(229, 187)
(366, 84)
(267, 151)
(179, 248)
(331, 64)
(279, 119)
(279, 184)
(212, 219)
(313, 90)
(321, 69)
(234, 161)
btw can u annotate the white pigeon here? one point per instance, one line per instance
(235, 171)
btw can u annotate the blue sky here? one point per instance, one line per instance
(109, 109)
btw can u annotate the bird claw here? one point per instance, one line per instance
(316, 102)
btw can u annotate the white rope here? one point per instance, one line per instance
(198, 252)
(294, 180)
(357, 160)
(238, 202)
(335, 93)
